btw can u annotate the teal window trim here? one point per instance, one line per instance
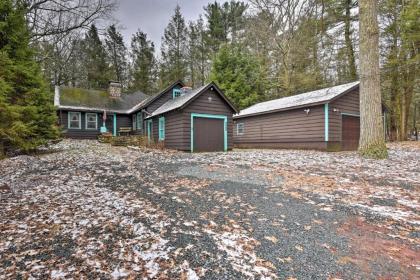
(149, 126)
(176, 92)
(96, 121)
(69, 120)
(224, 118)
(139, 123)
(326, 128)
(115, 125)
(161, 128)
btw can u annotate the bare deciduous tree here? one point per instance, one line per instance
(56, 17)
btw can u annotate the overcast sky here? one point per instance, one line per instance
(152, 16)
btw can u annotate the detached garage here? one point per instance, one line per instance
(325, 119)
(196, 120)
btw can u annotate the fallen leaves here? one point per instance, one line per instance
(272, 239)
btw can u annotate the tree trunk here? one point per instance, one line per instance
(349, 44)
(372, 143)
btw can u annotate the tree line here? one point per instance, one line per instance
(255, 51)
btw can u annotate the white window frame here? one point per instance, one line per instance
(69, 114)
(242, 128)
(139, 121)
(87, 121)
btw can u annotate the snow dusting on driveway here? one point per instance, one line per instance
(90, 210)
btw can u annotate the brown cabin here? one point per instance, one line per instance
(181, 118)
(196, 120)
(326, 119)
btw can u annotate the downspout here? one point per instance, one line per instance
(115, 125)
(326, 125)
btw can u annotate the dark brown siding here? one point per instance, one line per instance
(78, 133)
(178, 122)
(285, 145)
(217, 106)
(271, 130)
(83, 133)
(160, 101)
(347, 104)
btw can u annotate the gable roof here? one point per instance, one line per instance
(96, 100)
(152, 98)
(316, 97)
(183, 100)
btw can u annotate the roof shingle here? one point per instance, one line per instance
(314, 97)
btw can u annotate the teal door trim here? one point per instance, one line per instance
(149, 126)
(115, 125)
(209, 116)
(326, 126)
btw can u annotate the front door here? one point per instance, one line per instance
(149, 129)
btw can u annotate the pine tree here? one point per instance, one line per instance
(225, 22)
(238, 74)
(174, 49)
(198, 53)
(117, 54)
(27, 114)
(372, 142)
(143, 70)
(95, 60)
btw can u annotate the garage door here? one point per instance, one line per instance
(350, 133)
(208, 134)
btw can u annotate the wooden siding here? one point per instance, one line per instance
(160, 101)
(282, 127)
(348, 104)
(178, 122)
(217, 106)
(83, 133)
(285, 145)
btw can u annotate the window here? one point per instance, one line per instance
(133, 121)
(139, 121)
(176, 93)
(75, 120)
(161, 128)
(239, 129)
(91, 121)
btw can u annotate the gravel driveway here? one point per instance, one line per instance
(85, 209)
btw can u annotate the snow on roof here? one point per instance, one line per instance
(178, 101)
(317, 96)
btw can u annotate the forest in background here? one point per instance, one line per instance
(256, 50)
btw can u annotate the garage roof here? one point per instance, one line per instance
(186, 98)
(320, 96)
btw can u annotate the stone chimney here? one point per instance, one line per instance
(114, 89)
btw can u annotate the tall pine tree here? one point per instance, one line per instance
(98, 74)
(174, 49)
(117, 54)
(143, 69)
(27, 114)
(238, 74)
